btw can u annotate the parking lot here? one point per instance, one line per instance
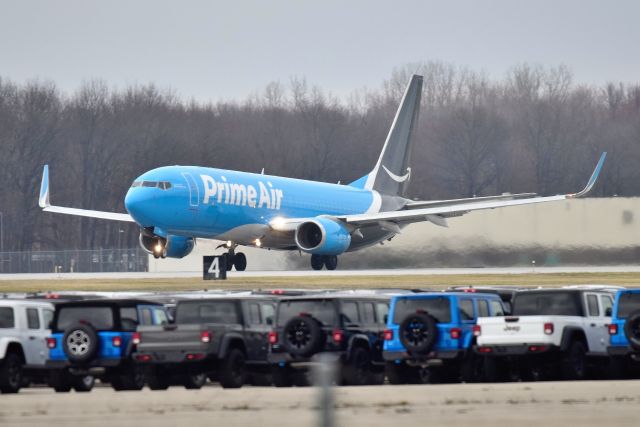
(592, 403)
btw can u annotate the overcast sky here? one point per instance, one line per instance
(213, 50)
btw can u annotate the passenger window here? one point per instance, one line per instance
(483, 308)
(254, 314)
(367, 313)
(466, 309)
(607, 304)
(496, 308)
(160, 317)
(268, 312)
(146, 316)
(128, 319)
(350, 312)
(382, 313)
(47, 316)
(33, 320)
(592, 305)
(6, 318)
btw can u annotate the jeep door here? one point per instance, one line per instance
(36, 334)
(596, 323)
(259, 318)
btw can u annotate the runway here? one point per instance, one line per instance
(597, 404)
(335, 273)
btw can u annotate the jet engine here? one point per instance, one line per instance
(172, 247)
(322, 236)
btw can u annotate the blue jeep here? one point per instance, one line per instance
(429, 336)
(624, 331)
(97, 337)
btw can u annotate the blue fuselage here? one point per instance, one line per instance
(209, 203)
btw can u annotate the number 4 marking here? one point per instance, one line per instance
(215, 267)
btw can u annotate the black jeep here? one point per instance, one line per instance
(348, 326)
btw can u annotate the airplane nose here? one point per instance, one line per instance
(139, 203)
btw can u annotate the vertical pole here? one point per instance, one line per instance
(325, 373)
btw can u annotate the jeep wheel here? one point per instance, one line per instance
(574, 363)
(418, 332)
(358, 370)
(302, 335)
(194, 381)
(11, 373)
(132, 379)
(402, 374)
(80, 343)
(232, 372)
(281, 376)
(632, 329)
(617, 368)
(60, 381)
(83, 384)
(156, 381)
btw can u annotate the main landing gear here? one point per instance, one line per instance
(319, 261)
(237, 260)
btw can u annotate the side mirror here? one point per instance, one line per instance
(608, 312)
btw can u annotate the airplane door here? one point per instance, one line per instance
(194, 192)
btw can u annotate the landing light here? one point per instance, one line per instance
(158, 248)
(229, 243)
(258, 243)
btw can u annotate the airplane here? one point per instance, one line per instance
(175, 205)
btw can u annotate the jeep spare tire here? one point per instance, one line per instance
(418, 332)
(302, 335)
(80, 343)
(632, 329)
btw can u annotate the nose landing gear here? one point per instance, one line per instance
(319, 261)
(160, 249)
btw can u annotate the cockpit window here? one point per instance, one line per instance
(136, 184)
(149, 183)
(165, 185)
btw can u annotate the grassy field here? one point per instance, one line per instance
(346, 282)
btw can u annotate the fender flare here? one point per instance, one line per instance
(356, 340)
(225, 344)
(568, 333)
(5, 343)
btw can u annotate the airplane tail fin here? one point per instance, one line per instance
(391, 174)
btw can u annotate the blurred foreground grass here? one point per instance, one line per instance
(347, 282)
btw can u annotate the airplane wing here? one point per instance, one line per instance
(47, 207)
(438, 214)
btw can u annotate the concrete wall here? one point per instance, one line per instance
(603, 231)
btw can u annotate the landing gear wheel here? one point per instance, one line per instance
(230, 258)
(11, 374)
(331, 262)
(240, 261)
(317, 262)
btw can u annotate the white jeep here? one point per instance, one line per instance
(23, 347)
(550, 333)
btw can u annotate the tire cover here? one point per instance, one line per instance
(302, 335)
(80, 343)
(418, 332)
(632, 329)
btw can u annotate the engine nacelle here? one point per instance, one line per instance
(322, 236)
(172, 246)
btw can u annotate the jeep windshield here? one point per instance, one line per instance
(101, 318)
(195, 312)
(322, 310)
(438, 307)
(547, 304)
(627, 304)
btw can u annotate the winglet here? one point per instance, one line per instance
(592, 180)
(44, 188)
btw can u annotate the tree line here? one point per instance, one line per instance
(535, 130)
